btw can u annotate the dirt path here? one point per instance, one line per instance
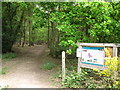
(24, 70)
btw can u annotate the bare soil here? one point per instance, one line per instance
(24, 70)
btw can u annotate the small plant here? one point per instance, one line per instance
(4, 70)
(8, 56)
(48, 66)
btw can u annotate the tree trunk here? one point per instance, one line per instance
(48, 42)
(52, 39)
(29, 34)
(24, 34)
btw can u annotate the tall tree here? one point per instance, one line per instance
(12, 21)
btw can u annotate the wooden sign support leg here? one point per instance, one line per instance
(115, 55)
(63, 65)
(79, 62)
(115, 51)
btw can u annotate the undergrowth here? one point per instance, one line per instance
(8, 56)
(88, 78)
(48, 65)
(3, 70)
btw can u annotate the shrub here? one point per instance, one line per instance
(86, 80)
(47, 66)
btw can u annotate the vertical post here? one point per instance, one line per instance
(114, 51)
(63, 65)
(115, 55)
(79, 59)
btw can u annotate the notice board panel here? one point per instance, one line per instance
(93, 55)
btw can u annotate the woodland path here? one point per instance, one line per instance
(24, 70)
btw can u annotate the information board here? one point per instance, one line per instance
(93, 55)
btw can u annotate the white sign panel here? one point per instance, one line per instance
(93, 55)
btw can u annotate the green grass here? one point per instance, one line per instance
(4, 70)
(48, 66)
(8, 56)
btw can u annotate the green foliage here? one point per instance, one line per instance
(57, 51)
(15, 16)
(110, 74)
(86, 22)
(90, 78)
(75, 80)
(40, 34)
(63, 24)
(86, 79)
(8, 56)
(4, 70)
(48, 66)
(12, 16)
(69, 51)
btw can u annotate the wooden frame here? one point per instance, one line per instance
(99, 44)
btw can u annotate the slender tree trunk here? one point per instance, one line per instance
(52, 39)
(20, 40)
(58, 32)
(29, 34)
(48, 42)
(24, 34)
(32, 35)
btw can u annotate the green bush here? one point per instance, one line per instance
(75, 80)
(86, 79)
(48, 66)
(8, 56)
(4, 70)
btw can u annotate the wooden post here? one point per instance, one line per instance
(115, 55)
(79, 60)
(63, 65)
(114, 51)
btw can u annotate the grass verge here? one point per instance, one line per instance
(8, 56)
(48, 65)
(4, 71)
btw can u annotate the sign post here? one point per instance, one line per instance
(79, 60)
(115, 55)
(63, 65)
(79, 55)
